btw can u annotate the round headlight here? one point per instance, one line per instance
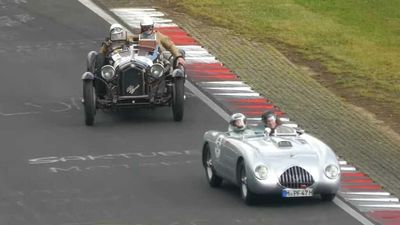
(157, 70)
(332, 171)
(107, 72)
(261, 172)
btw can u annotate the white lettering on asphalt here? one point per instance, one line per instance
(118, 156)
(118, 166)
(42, 108)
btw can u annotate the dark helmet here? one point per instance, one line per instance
(267, 115)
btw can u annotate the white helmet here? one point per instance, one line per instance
(146, 24)
(237, 122)
(117, 32)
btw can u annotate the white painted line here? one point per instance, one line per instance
(284, 119)
(352, 212)
(392, 206)
(254, 119)
(230, 88)
(223, 82)
(374, 199)
(89, 4)
(237, 94)
(207, 100)
(366, 193)
(347, 168)
(342, 162)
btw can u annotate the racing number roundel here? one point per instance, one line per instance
(218, 144)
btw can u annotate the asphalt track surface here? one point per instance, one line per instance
(136, 167)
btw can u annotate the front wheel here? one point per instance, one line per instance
(178, 98)
(247, 195)
(213, 179)
(327, 197)
(89, 101)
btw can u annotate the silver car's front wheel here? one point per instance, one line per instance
(213, 179)
(247, 196)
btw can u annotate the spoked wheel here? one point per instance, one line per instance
(327, 197)
(247, 196)
(89, 101)
(213, 179)
(178, 98)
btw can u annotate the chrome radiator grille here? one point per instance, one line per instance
(296, 177)
(132, 83)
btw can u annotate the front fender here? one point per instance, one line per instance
(87, 76)
(178, 73)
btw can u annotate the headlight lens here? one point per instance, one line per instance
(332, 171)
(261, 172)
(156, 70)
(107, 72)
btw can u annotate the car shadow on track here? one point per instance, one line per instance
(272, 201)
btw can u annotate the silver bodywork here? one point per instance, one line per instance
(283, 154)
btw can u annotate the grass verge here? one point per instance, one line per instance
(356, 43)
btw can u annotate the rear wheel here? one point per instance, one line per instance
(247, 195)
(327, 197)
(178, 98)
(213, 179)
(89, 101)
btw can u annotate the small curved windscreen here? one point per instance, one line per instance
(285, 131)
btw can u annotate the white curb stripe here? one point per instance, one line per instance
(230, 88)
(223, 82)
(393, 206)
(374, 199)
(237, 94)
(342, 162)
(347, 168)
(378, 193)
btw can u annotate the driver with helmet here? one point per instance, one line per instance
(238, 125)
(147, 32)
(119, 38)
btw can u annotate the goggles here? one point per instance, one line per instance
(146, 28)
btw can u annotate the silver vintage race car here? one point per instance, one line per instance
(289, 163)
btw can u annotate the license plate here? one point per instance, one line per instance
(291, 193)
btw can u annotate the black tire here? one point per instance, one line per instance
(178, 98)
(327, 197)
(213, 179)
(247, 195)
(89, 102)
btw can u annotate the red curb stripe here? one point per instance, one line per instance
(270, 106)
(251, 100)
(369, 187)
(358, 181)
(203, 65)
(258, 113)
(211, 70)
(355, 174)
(202, 78)
(212, 75)
(386, 215)
(209, 73)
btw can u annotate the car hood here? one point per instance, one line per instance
(282, 152)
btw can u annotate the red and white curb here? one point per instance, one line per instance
(223, 86)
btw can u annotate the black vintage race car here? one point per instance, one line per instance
(139, 75)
